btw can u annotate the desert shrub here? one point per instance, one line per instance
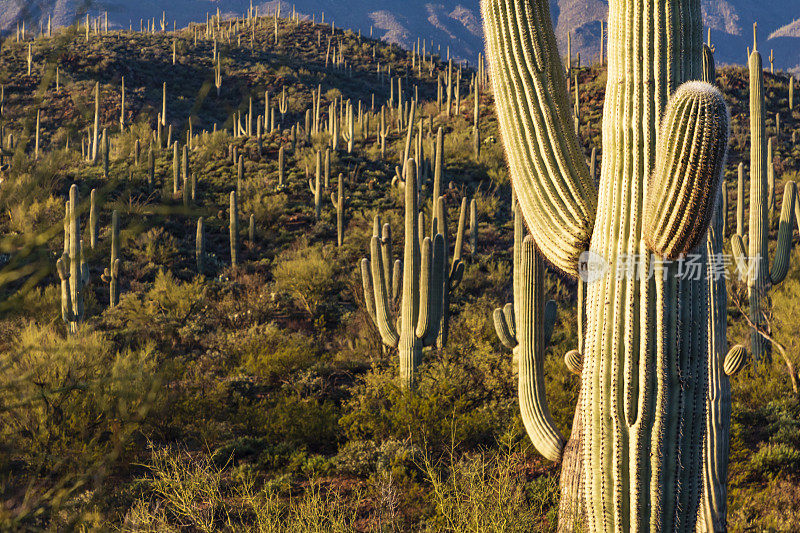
(272, 354)
(167, 312)
(154, 248)
(183, 491)
(39, 216)
(487, 492)
(307, 274)
(68, 408)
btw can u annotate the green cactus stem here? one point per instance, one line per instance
(234, 229)
(751, 250)
(646, 346)
(316, 187)
(71, 267)
(200, 246)
(473, 226)
(421, 301)
(281, 159)
(111, 274)
(452, 278)
(525, 328)
(338, 204)
(251, 230)
(176, 168)
(93, 219)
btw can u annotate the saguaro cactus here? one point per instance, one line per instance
(93, 219)
(525, 328)
(234, 229)
(421, 299)
(316, 187)
(452, 277)
(71, 267)
(200, 246)
(755, 261)
(338, 204)
(646, 347)
(111, 274)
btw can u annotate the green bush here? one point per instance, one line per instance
(307, 274)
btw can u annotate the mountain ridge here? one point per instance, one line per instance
(454, 24)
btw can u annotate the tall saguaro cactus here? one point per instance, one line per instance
(755, 261)
(111, 274)
(525, 327)
(234, 229)
(338, 203)
(646, 345)
(71, 266)
(421, 298)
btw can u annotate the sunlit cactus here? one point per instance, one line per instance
(642, 459)
(71, 266)
(525, 328)
(417, 325)
(111, 274)
(751, 250)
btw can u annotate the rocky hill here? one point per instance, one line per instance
(447, 23)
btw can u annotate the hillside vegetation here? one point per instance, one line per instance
(258, 396)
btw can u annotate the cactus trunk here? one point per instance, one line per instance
(644, 370)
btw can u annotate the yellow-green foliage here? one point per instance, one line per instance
(307, 274)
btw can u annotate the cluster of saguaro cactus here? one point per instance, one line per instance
(419, 313)
(111, 274)
(751, 250)
(71, 266)
(643, 427)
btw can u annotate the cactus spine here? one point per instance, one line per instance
(525, 328)
(421, 300)
(111, 274)
(234, 229)
(644, 366)
(338, 204)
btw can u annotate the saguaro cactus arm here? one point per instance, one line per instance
(551, 177)
(682, 191)
(532, 399)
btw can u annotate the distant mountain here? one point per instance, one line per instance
(452, 24)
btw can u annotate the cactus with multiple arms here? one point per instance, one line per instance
(525, 327)
(111, 274)
(71, 267)
(421, 299)
(338, 204)
(452, 278)
(754, 262)
(646, 340)
(316, 188)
